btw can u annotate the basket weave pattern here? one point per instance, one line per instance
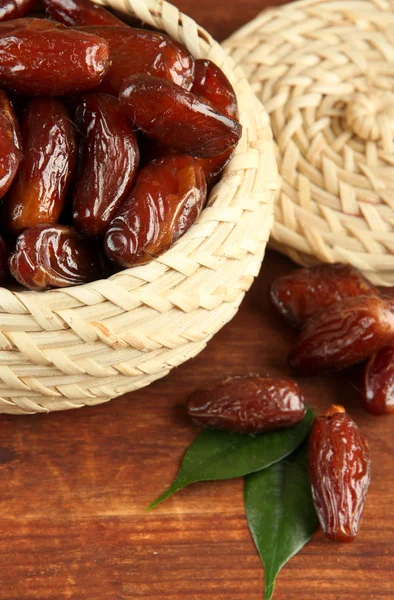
(84, 345)
(325, 73)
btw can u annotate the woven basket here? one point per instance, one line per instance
(84, 345)
(325, 73)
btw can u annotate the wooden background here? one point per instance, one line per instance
(74, 485)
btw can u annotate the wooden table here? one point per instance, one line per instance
(74, 485)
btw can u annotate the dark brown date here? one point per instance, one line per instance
(247, 404)
(303, 292)
(54, 256)
(10, 144)
(3, 261)
(80, 12)
(167, 198)
(340, 472)
(211, 83)
(40, 57)
(39, 190)
(14, 9)
(377, 386)
(344, 334)
(109, 158)
(137, 51)
(177, 118)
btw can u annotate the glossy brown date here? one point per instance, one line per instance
(14, 9)
(177, 118)
(211, 83)
(340, 473)
(49, 146)
(247, 404)
(80, 12)
(109, 159)
(167, 198)
(10, 144)
(377, 386)
(40, 57)
(344, 334)
(137, 51)
(3, 261)
(303, 292)
(54, 256)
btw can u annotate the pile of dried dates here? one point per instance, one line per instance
(110, 136)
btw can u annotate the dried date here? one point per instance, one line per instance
(177, 118)
(40, 57)
(137, 51)
(39, 190)
(340, 473)
(247, 404)
(109, 159)
(300, 294)
(80, 12)
(344, 334)
(14, 9)
(54, 256)
(167, 198)
(211, 83)
(3, 261)
(377, 386)
(10, 144)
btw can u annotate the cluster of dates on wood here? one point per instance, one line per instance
(343, 320)
(110, 136)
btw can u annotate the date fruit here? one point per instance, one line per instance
(377, 387)
(300, 294)
(54, 256)
(80, 12)
(13, 9)
(109, 158)
(247, 404)
(40, 57)
(167, 198)
(211, 83)
(3, 261)
(39, 190)
(177, 118)
(10, 144)
(137, 51)
(344, 334)
(340, 472)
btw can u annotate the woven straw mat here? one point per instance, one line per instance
(325, 73)
(84, 345)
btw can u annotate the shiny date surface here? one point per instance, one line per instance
(177, 118)
(340, 473)
(377, 385)
(247, 404)
(14, 9)
(41, 57)
(39, 190)
(137, 51)
(10, 144)
(54, 256)
(303, 292)
(109, 159)
(344, 334)
(167, 199)
(80, 12)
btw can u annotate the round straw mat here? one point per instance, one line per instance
(325, 73)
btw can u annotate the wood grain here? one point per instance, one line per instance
(75, 485)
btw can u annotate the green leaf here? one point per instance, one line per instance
(216, 455)
(280, 513)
